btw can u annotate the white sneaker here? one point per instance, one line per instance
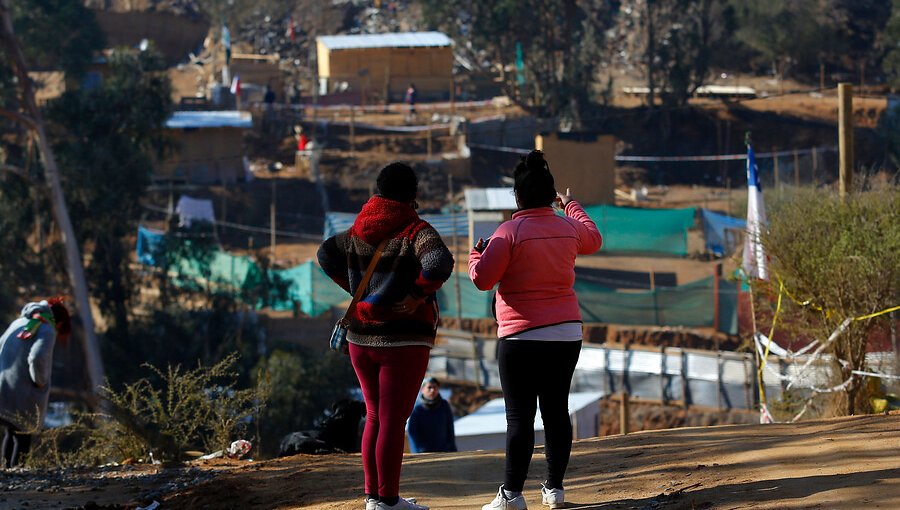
(554, 498)
(500, 502)
(372, 504)
(403, 504)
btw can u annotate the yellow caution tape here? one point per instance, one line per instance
(876, 314)
(781, 292)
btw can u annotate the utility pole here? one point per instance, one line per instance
(272, 219)
(91, 348)
(845, 137)
(455, 251)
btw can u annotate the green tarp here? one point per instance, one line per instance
(628, 229)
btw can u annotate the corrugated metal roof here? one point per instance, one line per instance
(389, 40)
(490, 199)
(445, 224)
(230, 118)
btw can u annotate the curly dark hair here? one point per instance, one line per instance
(398, 181)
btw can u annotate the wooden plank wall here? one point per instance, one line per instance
(376, 70)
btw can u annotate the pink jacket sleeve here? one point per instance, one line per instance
(485, 269)
(588, 234)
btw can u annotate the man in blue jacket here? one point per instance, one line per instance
(431, 422)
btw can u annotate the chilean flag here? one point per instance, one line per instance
(290, 29)
(754, 255)
(236, 85)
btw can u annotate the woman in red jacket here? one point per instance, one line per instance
(532, 257)
(393, 327)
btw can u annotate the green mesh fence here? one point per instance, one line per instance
(691, 305)
(304, 287)
(307, 288)
(215, 268)
(627, 229)
(476, 304)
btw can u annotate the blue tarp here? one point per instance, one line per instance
(149, 246)
(721, 232)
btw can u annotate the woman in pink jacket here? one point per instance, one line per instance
(532, 257)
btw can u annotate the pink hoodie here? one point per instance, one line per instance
(533, 258)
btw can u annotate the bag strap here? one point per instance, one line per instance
(361, 288)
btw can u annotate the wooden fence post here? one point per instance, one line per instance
(352, 130)
(624, 413)
(845, 137)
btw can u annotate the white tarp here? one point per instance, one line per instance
(194, 209)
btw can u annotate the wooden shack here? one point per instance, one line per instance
(583, 162)
(256, 72)
(208, 147)
(383, 65)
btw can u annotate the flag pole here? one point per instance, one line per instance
(752, 258)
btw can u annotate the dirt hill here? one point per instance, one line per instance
(845, 463)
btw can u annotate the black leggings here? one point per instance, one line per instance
(532, 370)
(15, 446)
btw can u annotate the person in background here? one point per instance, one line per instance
(411, 95)
(393, 327)
(532, 257)
(430, 425)
(302, 139)
(26, 360)
(269, 96)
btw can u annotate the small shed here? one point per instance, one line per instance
(383, 65)
(485, 429)
(487, 208)
(582, 162)
(209, 147)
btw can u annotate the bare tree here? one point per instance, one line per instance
(33, 119)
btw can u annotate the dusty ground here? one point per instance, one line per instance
(845, 463)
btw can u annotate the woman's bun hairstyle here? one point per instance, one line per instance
(533, 181)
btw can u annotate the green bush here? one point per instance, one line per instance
(843, 256)
(189, 409)
(303, 384)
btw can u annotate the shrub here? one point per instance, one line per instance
(183, 409)
(198, 408)
(304, 385)
(844, 257)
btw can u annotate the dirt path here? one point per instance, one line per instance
(845, 463)
(848, 463)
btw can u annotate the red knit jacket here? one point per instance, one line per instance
(415, 261)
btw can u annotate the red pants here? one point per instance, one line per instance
(390, 378)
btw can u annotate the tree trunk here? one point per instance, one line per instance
(91, 348)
